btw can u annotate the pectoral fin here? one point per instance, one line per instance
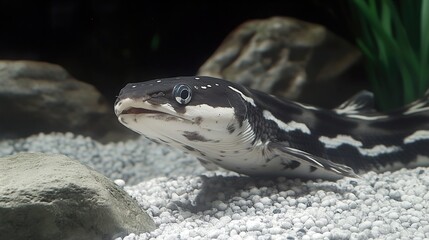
(304, 157)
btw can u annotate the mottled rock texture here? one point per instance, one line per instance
(286, 57)
(42, 97)
(50, 196)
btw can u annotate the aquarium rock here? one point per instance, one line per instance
(43, 97)
(285, 56)
(50, 196)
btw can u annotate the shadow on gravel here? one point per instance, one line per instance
(235, 188)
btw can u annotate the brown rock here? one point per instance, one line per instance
(282, 56)
(42, 97)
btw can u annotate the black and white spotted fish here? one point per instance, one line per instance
(225, 124)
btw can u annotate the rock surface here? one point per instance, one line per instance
(283, 56)
(50, 196)
(42, 97)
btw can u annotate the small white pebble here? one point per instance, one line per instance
(119, 182)
(414, 219)
(259, 205)
(266, 201)
(406, 205)
(321, 222)
(254, 225)
(365, 225)
(244, 194)
(393, 215)
(425, 229)
(418, 207)
(221, 206)
(309, 223)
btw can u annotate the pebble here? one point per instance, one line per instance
(119, 182)
(393, 215)
(406, 204)
(254, 225)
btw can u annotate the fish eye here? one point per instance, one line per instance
(182, 93)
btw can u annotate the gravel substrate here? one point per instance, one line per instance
(187, 202)
(133, 161)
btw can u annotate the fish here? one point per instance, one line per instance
(224, 124)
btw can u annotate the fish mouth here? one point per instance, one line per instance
(163, 116)
(128, 108)
(134, 110)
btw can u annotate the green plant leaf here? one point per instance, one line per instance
(394, 38)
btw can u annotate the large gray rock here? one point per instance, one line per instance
(42, 97)
(282, 56)
(50, 196)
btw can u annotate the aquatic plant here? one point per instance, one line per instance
(394, 38)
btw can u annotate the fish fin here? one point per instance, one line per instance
(361, 102)
(315, 161)
(418, 106)
(208, 165)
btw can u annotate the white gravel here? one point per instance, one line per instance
(187, 202)
(132, 161)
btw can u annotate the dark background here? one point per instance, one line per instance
(109, 43)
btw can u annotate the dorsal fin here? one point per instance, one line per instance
(419, 105)
(361, 102)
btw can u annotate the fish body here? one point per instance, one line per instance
(227, 125)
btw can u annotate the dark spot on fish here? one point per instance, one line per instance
(189, 148)
(236, 151)
(176, 141)
(222, 156)
(202, 154)
(170, 118)
(198, 120)
(194, 136)
(219, 160)
(202, 161)
(312, 168)
(163, 141)
(264, 165)
(291, 165)
(222, 151)
(230, 128)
